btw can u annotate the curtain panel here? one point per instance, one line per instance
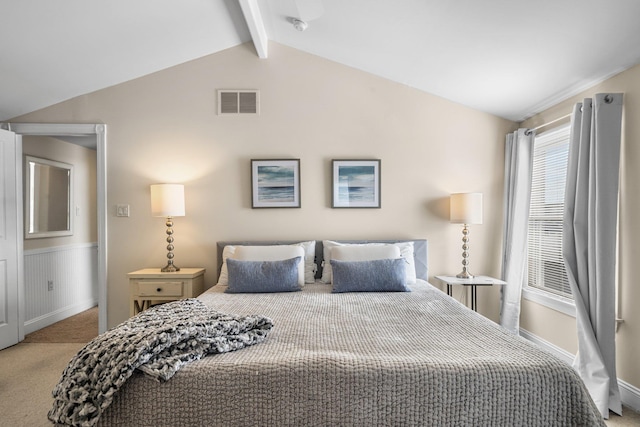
(517, 199)
(590, 239)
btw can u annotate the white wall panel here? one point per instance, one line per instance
(73, 273)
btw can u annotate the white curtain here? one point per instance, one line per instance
(589, 241)
(517, 195)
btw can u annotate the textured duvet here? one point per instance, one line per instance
(158, 342)
(362, 359)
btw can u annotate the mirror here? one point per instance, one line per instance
(48, 199)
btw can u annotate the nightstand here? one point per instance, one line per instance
(150, 284)
(474, 282)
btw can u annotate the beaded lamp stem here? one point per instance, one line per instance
(169, 268)
(464, 274)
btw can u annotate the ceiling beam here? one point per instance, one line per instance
(253, 17)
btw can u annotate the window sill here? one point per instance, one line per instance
(554, 302)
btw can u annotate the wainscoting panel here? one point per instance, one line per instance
(59, 282)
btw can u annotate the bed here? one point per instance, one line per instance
(415, 358)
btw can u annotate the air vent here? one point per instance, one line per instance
(238, 102)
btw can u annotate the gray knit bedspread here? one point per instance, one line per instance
(158, 342)
(363, 359)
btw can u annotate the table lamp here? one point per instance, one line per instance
(466, 208)
(167, 200)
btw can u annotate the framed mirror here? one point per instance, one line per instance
(48, 198)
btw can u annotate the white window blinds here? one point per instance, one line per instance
(545, 265)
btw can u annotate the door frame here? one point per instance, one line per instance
(98, 130)
(13, 226)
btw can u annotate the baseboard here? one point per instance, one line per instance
(629, 394)
(56, 316)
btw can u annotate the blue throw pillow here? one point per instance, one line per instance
(263, 276)
(382, 275)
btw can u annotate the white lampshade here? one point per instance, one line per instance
(167, 200)
(466, 208)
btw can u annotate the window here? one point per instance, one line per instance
(546, 271)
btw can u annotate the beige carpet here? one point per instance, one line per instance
(629, 418)
(28, 373)
(81, 328)
(30, 369)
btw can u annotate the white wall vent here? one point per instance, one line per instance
(238, 102)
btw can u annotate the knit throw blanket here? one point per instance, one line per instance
(158, 341)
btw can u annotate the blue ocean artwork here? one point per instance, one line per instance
(355, 194)
(276, 184)
(356, 184)
(276, 194)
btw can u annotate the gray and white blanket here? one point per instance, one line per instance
(158, 342)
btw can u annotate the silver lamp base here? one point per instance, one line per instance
(464, 274)
(169, 268)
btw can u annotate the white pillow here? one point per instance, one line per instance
(227, 252)
(281, 252)
(310, 266)
(367, 251)
(406, 252)
(364, 252)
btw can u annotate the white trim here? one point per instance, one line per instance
(552, 301)
(561, 353)
(101, 196)
(60, 248)
(100, 132)
(629, 394)
(58, 315)
(570, 92)
(555, 132)
(20, 246)
(54, 129)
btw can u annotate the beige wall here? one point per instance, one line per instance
(559, 328)
(84, 171)
(164, 128)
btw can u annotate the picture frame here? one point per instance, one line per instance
(275, 183)
(356, 183)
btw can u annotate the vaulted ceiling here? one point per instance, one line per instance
(511, 58)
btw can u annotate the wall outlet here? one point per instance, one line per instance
(49, 285)
(122, 210)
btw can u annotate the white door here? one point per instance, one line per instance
(11, 200)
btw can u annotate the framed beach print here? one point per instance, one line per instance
(275, 183)
(356, 183)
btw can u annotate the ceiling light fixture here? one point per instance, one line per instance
(299, 24)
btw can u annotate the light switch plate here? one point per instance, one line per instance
(122, 210)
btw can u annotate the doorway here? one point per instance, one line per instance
(82, 134)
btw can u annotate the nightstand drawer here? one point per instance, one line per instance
(158, 289)
(152, 286)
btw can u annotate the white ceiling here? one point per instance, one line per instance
(511, 58)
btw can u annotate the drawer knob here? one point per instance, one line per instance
(159, 290)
